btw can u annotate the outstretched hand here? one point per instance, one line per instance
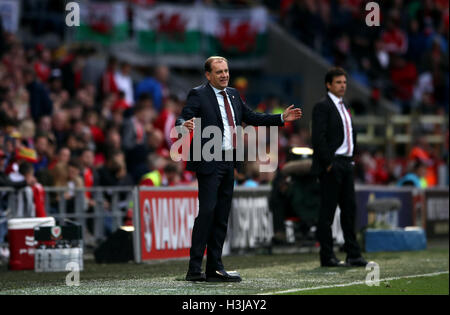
(189, 124)
(291, 113)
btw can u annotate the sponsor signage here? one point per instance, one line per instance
(251, 221)
(166, 222)
(166, 218)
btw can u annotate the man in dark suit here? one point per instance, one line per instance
(218, 105)
(333, 140)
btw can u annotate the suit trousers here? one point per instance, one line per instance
(337, 188)
(215, 192)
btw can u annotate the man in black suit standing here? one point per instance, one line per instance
(211, 103)
(333, 140)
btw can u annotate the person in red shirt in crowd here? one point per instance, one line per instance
(89, 177)
(423, 153)
(42, 64)
(93, 122)
(38, 192)
(88, 172)
(108, 83)
(116, 110)
(404, 77)
(382, 172)
(120, 103)
(166, 119)
(395, 40)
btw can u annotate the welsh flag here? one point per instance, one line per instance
(168, 29)
(240, 33)
(103, 22)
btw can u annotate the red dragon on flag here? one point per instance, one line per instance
(241, 38)
(172, 26)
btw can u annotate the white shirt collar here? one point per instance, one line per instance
(217, 91)
(336, 100)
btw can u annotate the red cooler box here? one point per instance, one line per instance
(21, 241)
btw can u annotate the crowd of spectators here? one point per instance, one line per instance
(106, 130)
(427, 164)
(405, 59)
(112, 128)
(79, 134)
(116, 131)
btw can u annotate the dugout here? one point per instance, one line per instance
(295, 198)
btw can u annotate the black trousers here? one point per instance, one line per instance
(337, 188)
(215, 192)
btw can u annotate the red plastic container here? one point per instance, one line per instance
(21, 241)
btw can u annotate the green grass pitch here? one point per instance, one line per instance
(262, 274)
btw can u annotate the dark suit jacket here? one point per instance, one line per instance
(202, 103)
(327, 134)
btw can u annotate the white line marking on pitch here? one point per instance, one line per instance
(354, 283)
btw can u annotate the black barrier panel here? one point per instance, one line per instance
(401, 218)
(436, 212)
(67, 233)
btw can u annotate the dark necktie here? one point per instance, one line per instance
(230, 117)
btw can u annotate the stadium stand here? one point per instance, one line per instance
(60, 98)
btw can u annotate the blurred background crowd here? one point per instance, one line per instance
(115, 130)
(405, 60)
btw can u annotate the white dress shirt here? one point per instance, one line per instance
(226, 140)
(346, 123)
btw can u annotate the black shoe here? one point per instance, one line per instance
(223, 276)
(195, 276)
(356, 262)
(332, 262)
